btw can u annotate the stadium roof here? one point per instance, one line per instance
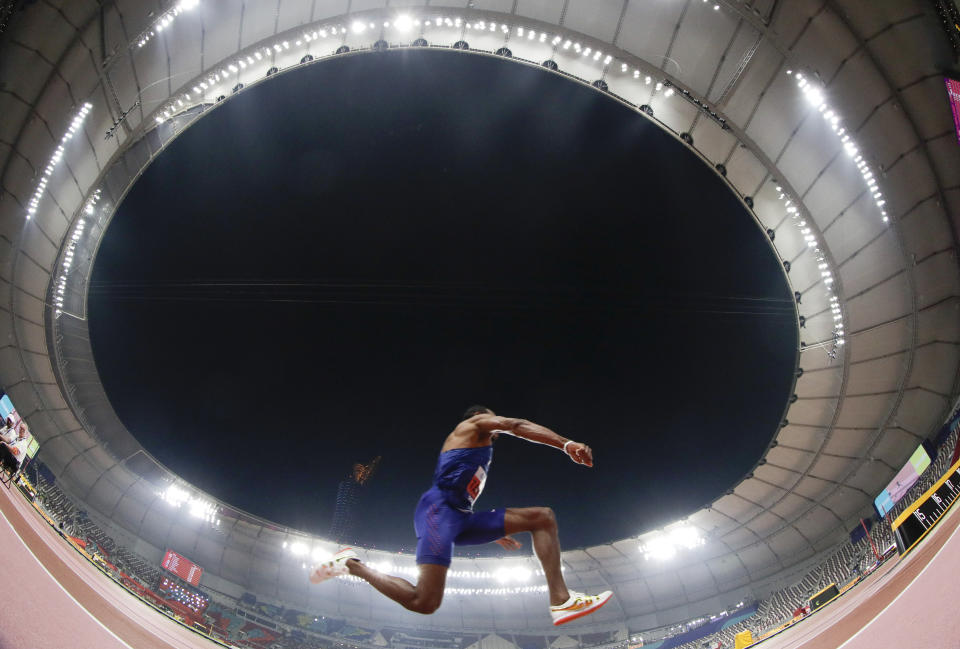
(829, 118)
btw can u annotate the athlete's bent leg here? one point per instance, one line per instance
(542, 525)
(424, 597)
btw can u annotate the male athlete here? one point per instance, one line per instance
(445, 517)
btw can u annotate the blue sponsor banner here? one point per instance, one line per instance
(709, 628)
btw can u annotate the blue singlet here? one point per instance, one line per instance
(445, 516)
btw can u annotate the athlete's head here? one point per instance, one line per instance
(473, 411)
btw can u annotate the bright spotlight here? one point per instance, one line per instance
(664, 546)
(403, 23)
(298, 549)
(175, 495)
(517, 573)
(189, 4)
(358, 27)
(658, 548)
(815, 97)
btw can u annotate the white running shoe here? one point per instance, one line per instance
(577, 606)
(335, 567)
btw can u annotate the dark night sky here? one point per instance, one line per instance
(335, 264)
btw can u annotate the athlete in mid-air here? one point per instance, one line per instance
(444, 517)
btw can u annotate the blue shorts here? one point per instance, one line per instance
(440, 526)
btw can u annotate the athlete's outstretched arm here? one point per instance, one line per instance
(579, 453)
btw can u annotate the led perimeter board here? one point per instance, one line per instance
(953, 93)
(914, 523)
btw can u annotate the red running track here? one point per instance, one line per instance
(54, 597)
(909, 603)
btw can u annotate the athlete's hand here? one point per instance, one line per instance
(580, 453)
(509, 543)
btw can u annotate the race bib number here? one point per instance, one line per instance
(475, 486)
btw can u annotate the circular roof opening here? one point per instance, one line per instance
(308, 279)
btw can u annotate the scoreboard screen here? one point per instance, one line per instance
(182, 567)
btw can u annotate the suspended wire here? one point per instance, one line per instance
(437, 294)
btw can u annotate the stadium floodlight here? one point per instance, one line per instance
(298, 548)
(814, 96)
(514, 573)
(175, 496)
(203, 509)
(664, 545)
(403, 23)
(358, 27)
(75, 126)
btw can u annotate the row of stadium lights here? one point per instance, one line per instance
(506, 574)
(459, 590)
(57, 156)
(166, 19)
(197, 507)
(60, 286)
(662, 546)
(455, 590)
(665, 545)
(826, 275)
(403, 23)
(815, 97)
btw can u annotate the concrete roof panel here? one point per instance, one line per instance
(746, 171)
(824, 27)
(908, 54)
(595, 19)
(850, 442)
(716, 144)
(646, 31)
(940, 322)
(878, 375)
(933, 278)
(820, 382)
(543, 10)
(789, 20)
(791, 506)
(698, 56)
(935, 367)
(765, 67)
